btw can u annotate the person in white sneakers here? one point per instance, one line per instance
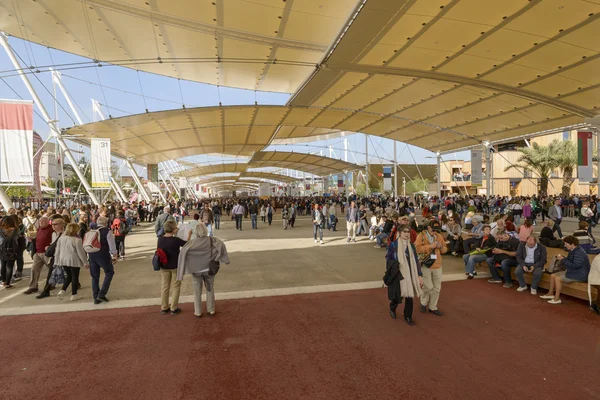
(318, 222)
(578, 269)
(531, 257)
(71, 257)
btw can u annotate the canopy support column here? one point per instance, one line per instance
(118, 189)
(137, 180)
(51, 123)
(5, 200)
(488, 168)
(439, 178)
(395, 172)
(367, 191)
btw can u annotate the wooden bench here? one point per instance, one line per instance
(575, 289)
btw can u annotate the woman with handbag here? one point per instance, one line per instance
(577, 266)
(201, 257)
(411, 281)
(171, 245)
(432, 245)
(70, 257)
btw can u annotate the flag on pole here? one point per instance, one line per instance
(16, 142)
(585, 170)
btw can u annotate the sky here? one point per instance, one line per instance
(123, 91)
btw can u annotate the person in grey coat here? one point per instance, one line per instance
(161, 219)
(555, 214)
(195, 258)
(531, 257)
(71, 257)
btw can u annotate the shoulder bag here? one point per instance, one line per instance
(425, 258)
(213, 266)
(555, 266)
(52, 249)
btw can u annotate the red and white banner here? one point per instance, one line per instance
(16, 141)
(585, 171)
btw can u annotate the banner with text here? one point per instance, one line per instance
(476, 167)
(16, 142)
(585, 170)
(101, 163)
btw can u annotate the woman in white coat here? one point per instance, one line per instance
(71, 257)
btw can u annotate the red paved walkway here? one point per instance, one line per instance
(493, 342)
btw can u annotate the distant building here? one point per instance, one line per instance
(456, 174)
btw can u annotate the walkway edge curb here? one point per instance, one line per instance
(246, 294)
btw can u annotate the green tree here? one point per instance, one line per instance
(565, 159)
(73, 182)
(19, 191)
(360, 189)
(536, 158)
(417, 185)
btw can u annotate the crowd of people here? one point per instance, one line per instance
(417, 234)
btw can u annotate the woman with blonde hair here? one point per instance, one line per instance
(71, 257)
(201, 257)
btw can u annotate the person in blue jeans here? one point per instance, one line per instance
(531, 256)
(487, 241)
(318, 222)
(103, 259)
(505, 254)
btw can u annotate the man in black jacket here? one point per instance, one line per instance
(216, 209)
(253, 210)
(505, 254)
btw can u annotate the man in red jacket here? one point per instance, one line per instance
(43, 239)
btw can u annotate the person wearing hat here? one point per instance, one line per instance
(475, 234)
(431, 242)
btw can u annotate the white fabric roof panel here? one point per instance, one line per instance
(309, 163)
(268, 45)
(434, 74)
(441, 74)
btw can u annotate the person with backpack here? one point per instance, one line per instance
(120, 229)
(9, 248)
(161, 219)
(101, 258)
(18, 271)
(70, 256)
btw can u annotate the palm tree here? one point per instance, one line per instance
(564, 154)
(536, 158)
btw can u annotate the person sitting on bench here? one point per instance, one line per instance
(547, 237)
(476, 233)
(578, 269)
(585, 241)
(505, 255)
(531, 256)
(481, 253)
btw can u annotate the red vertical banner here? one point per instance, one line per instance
(585, 171)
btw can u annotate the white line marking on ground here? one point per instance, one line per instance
(85, 304)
